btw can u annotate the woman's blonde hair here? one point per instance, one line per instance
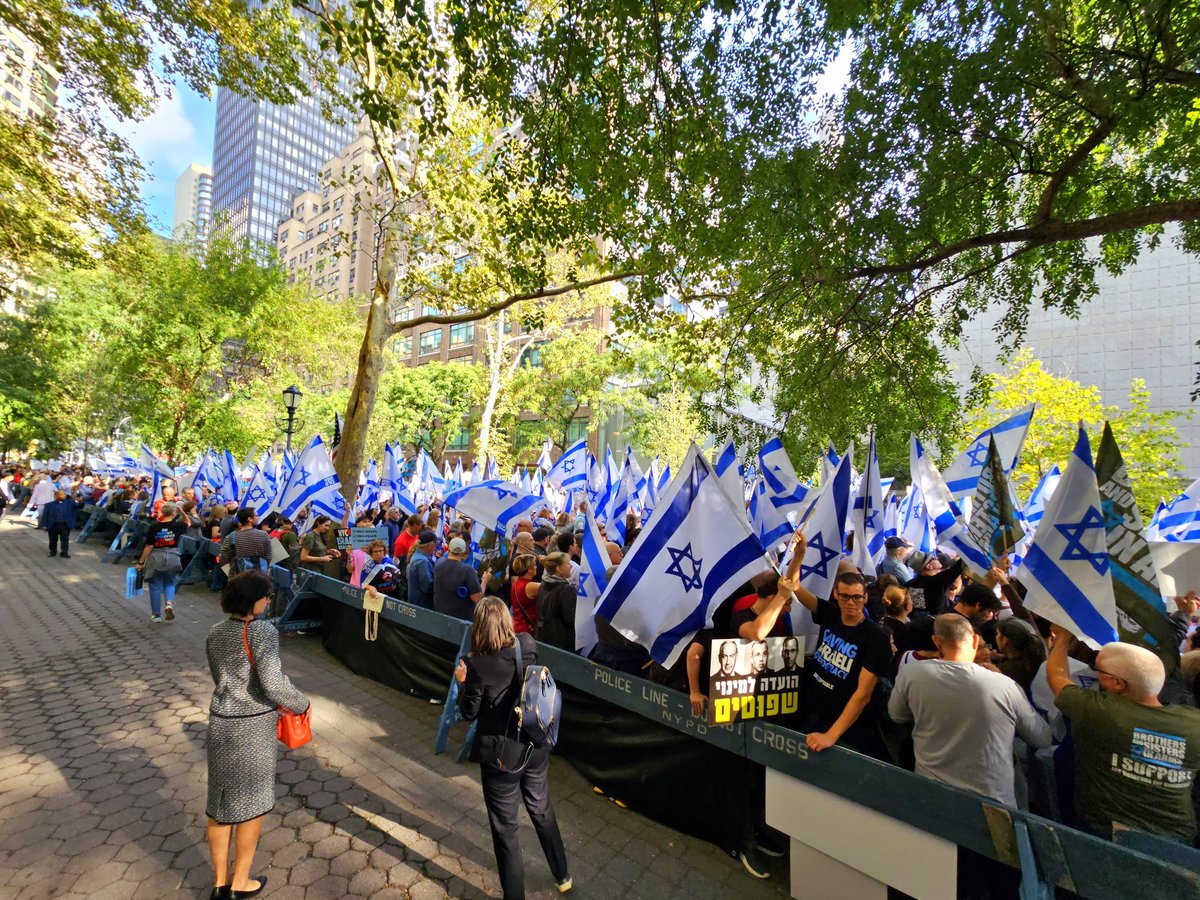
(376, 545)
(491, 627)
(525, 562)
(894, 600)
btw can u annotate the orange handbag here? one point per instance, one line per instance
(293, 729)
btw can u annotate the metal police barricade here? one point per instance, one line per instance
(97, 515)
(126, 538)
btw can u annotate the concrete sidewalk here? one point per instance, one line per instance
(102, 768)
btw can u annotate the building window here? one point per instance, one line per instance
(577, 430)
(462, 335)
(402, 346)
(460, 442)
(322, 228)
(431, 341)
(337, 221)
(283, 236)
(405, 312)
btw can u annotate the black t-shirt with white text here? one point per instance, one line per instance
(166, 535)
(842, 652)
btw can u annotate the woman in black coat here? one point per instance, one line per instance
(489, 688)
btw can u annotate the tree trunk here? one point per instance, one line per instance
(495, 366)
(352, 450)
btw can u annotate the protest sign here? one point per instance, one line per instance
(356, 538)
(754, 679)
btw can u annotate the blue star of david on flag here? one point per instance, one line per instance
(583, 577)
(869, 519)
(256, 494)
(978, 454)
(691, 581)
(502, 491)
(1075, 533)
(302, 476)
(821, 567)
(339, 503)
(569, 466)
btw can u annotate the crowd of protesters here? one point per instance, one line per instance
(948, 676)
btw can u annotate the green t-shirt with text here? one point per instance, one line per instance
(1135, 764)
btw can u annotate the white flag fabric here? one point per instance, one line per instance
(594, 563)
(914, 523)
(1179, 520)
(782, 486)
(630, 483)
(1031, 515)
(948, 523)
(695, 553)
(1066, 569)
(258, 494)
(393, 481)
(368, 492)
(498, 504)
(825, 533)
(868, 516)
(962, 475)
(543, 462)
(725, 464)
(231, 488)
(314, 483)
(151, 464)
(769, 524)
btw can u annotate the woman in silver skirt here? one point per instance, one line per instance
(243, 656)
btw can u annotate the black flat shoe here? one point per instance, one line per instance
(237, 895)
(220, 893)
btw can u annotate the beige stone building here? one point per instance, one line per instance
(27, 85)
(329, 240)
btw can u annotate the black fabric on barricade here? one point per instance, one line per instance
(406, 660)
(677, 781)
(674, 779)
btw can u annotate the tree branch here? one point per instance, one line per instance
(511, 300)
(1037, 235)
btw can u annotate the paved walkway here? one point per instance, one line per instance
(102, 768)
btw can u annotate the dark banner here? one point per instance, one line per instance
(407, 660)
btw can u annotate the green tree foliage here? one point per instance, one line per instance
(980, 153)
(1148, 440)
(667, 426)
(429, 405)
(572, 378)
(67, 181)
(192, 341)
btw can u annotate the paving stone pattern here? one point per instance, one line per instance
(103, 718)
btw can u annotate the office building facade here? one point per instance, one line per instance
(264, 154)
(1143, 324)
(193, 200)
(27, 85)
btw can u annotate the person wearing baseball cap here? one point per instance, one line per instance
(456, 587)
(419, 574)
(893, 564)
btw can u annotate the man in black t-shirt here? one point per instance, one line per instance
(852, 654)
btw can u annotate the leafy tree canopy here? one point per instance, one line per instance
(1148, 440)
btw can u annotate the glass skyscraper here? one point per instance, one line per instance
(264, 154)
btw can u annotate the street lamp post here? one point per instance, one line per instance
(291, 400)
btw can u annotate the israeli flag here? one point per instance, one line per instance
(368, 492)
(1066, 570)
(630, 483)
(867, 516)
(314, 483)
(594, 563)
(230, 489)
(948, 522)
(691, 558)
(458, 474)
(491, 470)
(962, 475)
(571, 469)
(649, 498)
(544, 463)
(725, 464)
(783, 488)
(891, 517)
(258, 494)
(393, 480)
(1031, 515)
(498, 504)
(830, 461)
(768, 523)
(1179, 520)
(475, 477)
(158, 469)
(826, 534)
(914, 524)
